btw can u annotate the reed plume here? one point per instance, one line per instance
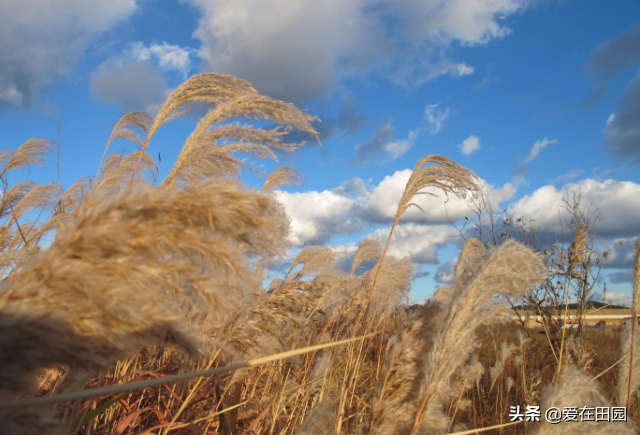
(207, 150)
(13, 196)
(507, 271)
(315, 260)
(430, 171)
(134, 126)
(576, 389)
(122, 273)
(283, 176)
(205, 88)
(32, 151)
(368, 250)
(118, 169)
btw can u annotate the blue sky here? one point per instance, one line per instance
(531, 95)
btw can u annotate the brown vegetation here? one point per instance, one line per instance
(147, 314)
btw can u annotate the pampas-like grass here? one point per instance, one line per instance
(206, 151)
(508, 271)
(368, 250)
(315, 260)
(121, 274)
(283, 176)
(204, 88)
(393, 410)
(118, 168)
(321, 419)
(32, 151)
(394, 285)
(41, 196)
(273, 314)
(576, 389)
(628, 371)
(430, 171)
(134, 127)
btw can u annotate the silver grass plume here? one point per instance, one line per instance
(430, 171)
(32, 151)
(508, 270)
(208, 149)
(368, 250)
(122, 272)
(576, 388)
(283, 176)
(134, 127)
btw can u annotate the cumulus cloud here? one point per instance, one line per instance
(355, 206)
(416, 242)
(355, 186)
(380, 204)
(469, 145)
(533, 153)
(42, 41)
(399, 147)
(317, 216)
(169, 57)
(617, 202)
(406, 41)
(435, 118)
(381, 143)
(617, 298)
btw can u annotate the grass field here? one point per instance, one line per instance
(148, 312)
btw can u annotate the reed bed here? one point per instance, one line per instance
(130, 305)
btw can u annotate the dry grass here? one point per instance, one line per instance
(145, 281)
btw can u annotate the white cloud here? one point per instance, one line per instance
(621, 253)
(381, 142)
(617, 202)
(444, 273)
(169, 57)
(380, 204)
(618, 298)
(399, 147)
(316, 216)
(416, 242)
(469, 145)
(405, 40)
(354, 206)
(42, 40)
(435, 118)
